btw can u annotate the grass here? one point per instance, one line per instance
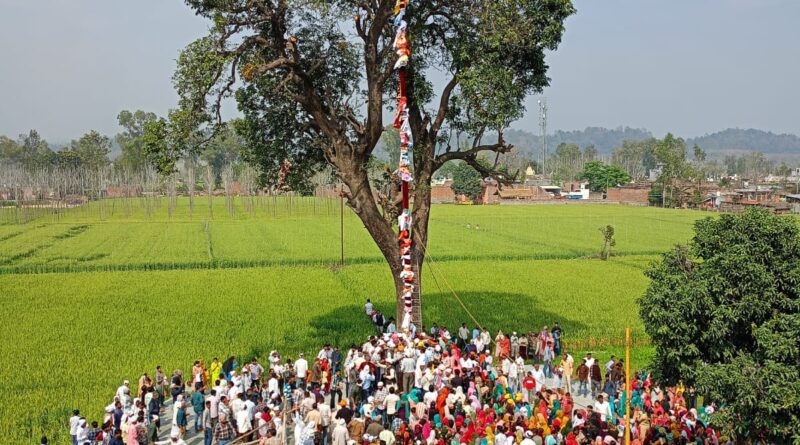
(108, 291)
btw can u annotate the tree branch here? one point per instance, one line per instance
(472, 153)
(444, 105)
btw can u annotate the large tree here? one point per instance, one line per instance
(466, 181)
(92, 150)
(601, 176)
(314, 79)
(130, 140)
(35, 152)
(724, 315)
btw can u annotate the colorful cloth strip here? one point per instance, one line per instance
(401, 45)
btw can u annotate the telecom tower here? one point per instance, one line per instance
(543, 131)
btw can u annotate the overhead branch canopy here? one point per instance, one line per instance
(316, 77)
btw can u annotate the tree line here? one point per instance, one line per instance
(93, 151)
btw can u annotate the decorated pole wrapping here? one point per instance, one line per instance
(406, 143)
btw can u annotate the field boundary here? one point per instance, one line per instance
(216, 263)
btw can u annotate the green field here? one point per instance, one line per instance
(107, 291)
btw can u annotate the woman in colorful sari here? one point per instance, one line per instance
(543, 424)
(554, 410)
(636, 400)
(497, 341)
(567, 404)
(505, 347)
(441, 401)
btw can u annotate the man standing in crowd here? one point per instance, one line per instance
(301, 370)
(74, 425)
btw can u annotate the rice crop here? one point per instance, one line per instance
(92, 300)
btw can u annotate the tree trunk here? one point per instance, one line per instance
(383, 232)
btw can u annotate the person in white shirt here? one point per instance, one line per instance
(301, 370)
(418, 376)
(391, 404)
(610, 364)
(589, 363)
(74, 424)
(236, 379)
(500, 438)
(513, 376)
(123, 390)
(603, 408)
(256, 370)
(589, 360)
(538, 375)
(326, 415)
(368, 308)
(250, 407)
(323, 353)
(243, 422)
(272, 384)
(237, 406)
(430, 396)
(274, 359)
(505, 366)
(528, 440)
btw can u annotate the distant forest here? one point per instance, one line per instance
(605, 140)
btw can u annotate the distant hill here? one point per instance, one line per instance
(605, 140)
(737, 140)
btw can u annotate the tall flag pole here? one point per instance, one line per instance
(401, 45)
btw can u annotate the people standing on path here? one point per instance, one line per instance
(407, 388)
(567, 366)
(584, 385)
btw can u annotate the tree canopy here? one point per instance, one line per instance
(601, 176)
(314, 79)
(130, 139)
(724, 315)
(466, 181)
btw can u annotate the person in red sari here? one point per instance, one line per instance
(505, 347)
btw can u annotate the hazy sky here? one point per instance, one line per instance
(686, 66)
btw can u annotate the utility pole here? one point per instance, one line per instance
(341, 220)
(627, 386)
(543, 129)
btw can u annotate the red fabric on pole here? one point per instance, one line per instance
(402, 82)
(405, 195)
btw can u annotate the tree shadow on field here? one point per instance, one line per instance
(344, 325)
(495, 311)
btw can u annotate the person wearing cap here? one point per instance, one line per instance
(340, 435)
(528, 440)
(82, 435)
(344, 412)
(224, 432)
(379, 401)
(123, 390)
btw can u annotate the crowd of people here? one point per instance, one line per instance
(430, 387)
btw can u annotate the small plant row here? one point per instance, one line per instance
(212, 264)
(71, 232)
